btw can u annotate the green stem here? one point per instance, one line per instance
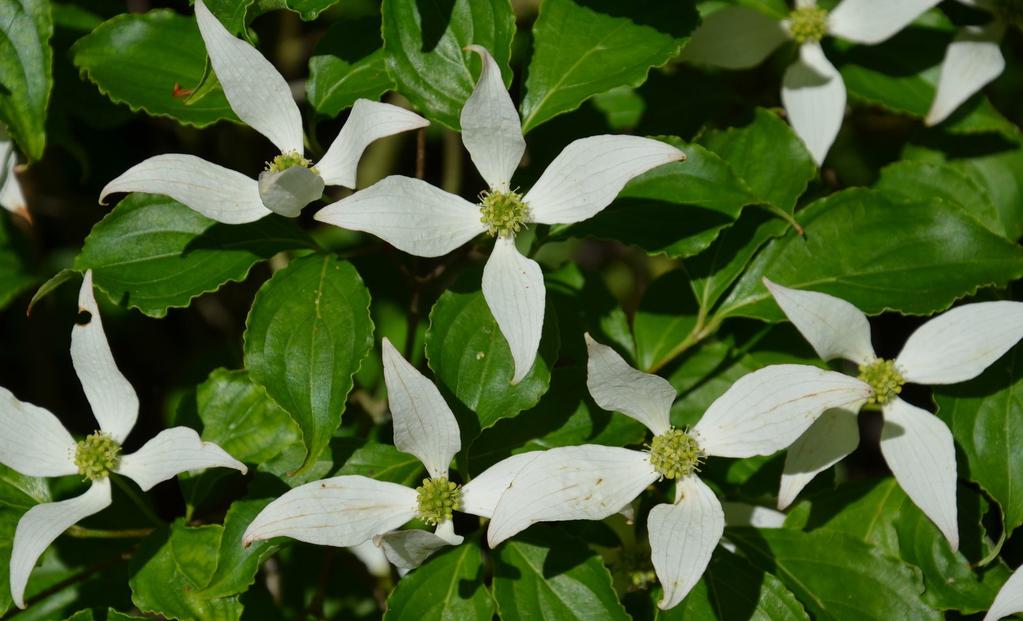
(93, 533)
(138, 500)
(993, 554)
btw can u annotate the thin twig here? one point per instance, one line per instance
(93, 533)
(421, 153)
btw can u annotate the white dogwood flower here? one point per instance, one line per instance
(812, 91)
(35, 443)
(953, 347)
(763, 412)
(1009, 599)
(423, 220)
(974, 58)
(349, 510)
(11, 197)
(261, 98)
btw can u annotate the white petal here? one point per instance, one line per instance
(616, 386)
(919, 449)
(491, 130)
(368, 121)
(42, 524)
(424, 425)
(832, 436)
(588, 482)
(288, 191)
(407, 549)
(372, 557)
(960, 343)
(873, 21)
(172, 451)
(481, 495)
(1009, 599)
(735, 38)
(834, 327)
(768, 409)
(743, 514)
(590, 172)
(814, 97)
(33, 441)
(683, 537)
(214, 191)
(514, 290)
(410, 214)
(341, 511)
(972, 60)
(11, 197)
(258, 94)
(113, 400)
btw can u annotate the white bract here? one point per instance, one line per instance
(11, 197)
(953, 347)
(35, 443)
(420, 219)
(261, 98)
(974, 58)
(1009, 599)
(763, 412)
(812, 91)
(349, 510)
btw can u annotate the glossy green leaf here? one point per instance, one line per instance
(549, 575)
(26, 71)
(582, 48)
(9, 517)
(622, 106)
(584, 304)
(231, 13)
(236, 565)
(834, 575)
(175, 254)
(307, 332)
(471, 358)
(15, 276)
(348, 64)
(449, 585)
(732, 588)
(384, 463)
(665, 319)
(879, 254)
(868, 510)
(20, 491)
(425, 43)
(309, 9)
(150, 62)
(677, 209)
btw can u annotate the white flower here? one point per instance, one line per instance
(763, 412)
(1009, 599)
(35, 443)
(346, 511)
(261, 98)
(953, 347)
(11, 197)
(812, 90)
(420, 219)
(974, 58)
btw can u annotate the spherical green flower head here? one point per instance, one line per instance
(675, 454)
(288, 160)
(97, 455)
(438, 499)
(504, 213)
(884, 378)
(808, 24)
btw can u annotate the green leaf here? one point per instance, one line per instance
(21, 492)
(241, 418)
(983, 415)
(583, 48)
(665, 319)
(383, 462)
(622, 106)
(153, 253)
(584, 304)
(768, 156)
(1000, 173)
(678, 208)
(159, 586)
(8, 522)
(878, 254)
(306, 335)
(149, 62)
(868, 510)
(310, 9)
(15, 276)
(549, 575)
(348, 64)
(231, 13)
(426, 55)
(112, 615)
(472, 360)
(834, 575)
(449, 585)
(26, 71)
(732, 588)
(236, 565)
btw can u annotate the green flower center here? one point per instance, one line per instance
(675, 454)
(1010, 11)
(438, 498)
(809, 24)
(97, 455)
(884, 378)
(504, 213)
(288, 160)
